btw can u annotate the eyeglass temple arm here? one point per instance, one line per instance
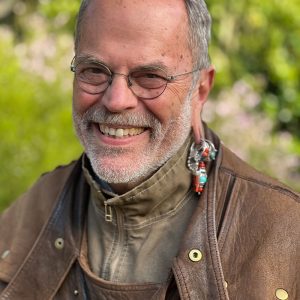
(72, 66)
(172, 77)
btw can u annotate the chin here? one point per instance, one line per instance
(114, 170)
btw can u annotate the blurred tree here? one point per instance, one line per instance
(35, 117)
(255, 48)
(259, 41)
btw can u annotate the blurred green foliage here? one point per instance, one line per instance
(255, 105)
(260, 42)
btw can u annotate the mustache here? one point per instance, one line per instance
(103, 116)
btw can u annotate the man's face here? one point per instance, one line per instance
(127, 138)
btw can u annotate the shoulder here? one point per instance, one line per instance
(260, 232)
(254, 181)
(257, 205)
(42, 194)
(21, 223)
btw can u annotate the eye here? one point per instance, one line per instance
(152, 75)
(92, 69)
(95, 74)
(149, 79)
(95, 70)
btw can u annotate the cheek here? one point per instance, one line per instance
(83, 101)
(169, 106)
(163, 109)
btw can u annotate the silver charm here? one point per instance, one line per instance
(199, 155)
(205, 151)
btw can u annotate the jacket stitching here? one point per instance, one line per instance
(225, 231)
(183, 280)
(277, 188)
(213, 246)
(223, 210)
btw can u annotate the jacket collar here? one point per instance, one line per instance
(154, 198)
(203, 279)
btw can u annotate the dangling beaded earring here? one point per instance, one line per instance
(199, 155)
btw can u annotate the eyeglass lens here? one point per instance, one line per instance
(94, 78)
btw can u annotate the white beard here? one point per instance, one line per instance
(107, 162)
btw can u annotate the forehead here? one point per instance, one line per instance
(144, 27)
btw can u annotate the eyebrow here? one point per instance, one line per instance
(88, 57)
(156, 64)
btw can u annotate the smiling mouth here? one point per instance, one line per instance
(119, 132)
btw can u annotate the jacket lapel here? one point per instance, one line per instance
(56, 248)
(197, 269)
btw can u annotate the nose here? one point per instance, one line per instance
(118, 96)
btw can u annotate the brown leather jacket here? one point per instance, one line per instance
(246, 226)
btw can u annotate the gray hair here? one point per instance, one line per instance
(199, 30)
(82, 9)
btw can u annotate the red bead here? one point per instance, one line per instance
(199, 190)
(201, 164)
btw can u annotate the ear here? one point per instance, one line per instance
(200, 96)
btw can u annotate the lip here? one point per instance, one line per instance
(124, 141)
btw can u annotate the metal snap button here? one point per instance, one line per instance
(59, 243)
(5, 254)
(195, 255)
(76, 293)
(281, 294)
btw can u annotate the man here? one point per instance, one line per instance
(157, 207)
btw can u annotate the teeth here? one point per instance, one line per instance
(125, 131)
(112, 131)
(132, 132)
(120, 132)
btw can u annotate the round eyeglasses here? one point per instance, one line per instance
(147, 83)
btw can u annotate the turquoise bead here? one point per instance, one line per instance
(203, 179)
